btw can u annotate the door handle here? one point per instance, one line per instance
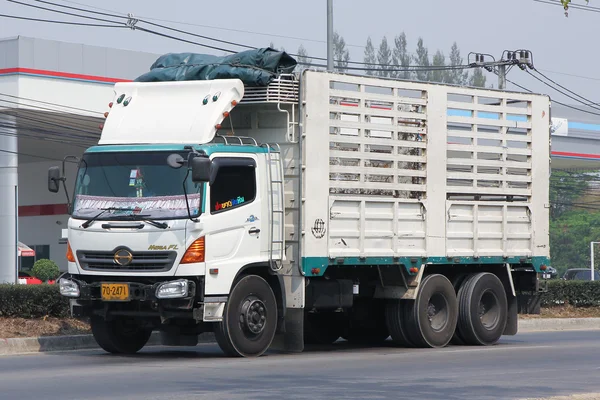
(254, 230)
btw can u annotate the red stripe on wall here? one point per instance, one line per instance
(579, 155)
(57, 74)
(42, 209)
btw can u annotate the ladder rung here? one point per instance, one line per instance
(276, 181)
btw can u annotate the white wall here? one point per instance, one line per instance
(45, 230)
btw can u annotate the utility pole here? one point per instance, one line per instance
(501, 76)
(330, 35)
(520, 58)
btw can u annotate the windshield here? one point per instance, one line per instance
(140, 181)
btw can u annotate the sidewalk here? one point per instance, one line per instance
(80, 342)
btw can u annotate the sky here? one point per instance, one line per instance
(562, 46)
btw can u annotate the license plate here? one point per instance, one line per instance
(115, 291)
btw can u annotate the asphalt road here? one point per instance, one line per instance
(529, 365)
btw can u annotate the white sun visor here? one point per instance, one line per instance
(169, 112)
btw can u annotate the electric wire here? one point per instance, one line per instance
(60, 22)
(395, 69)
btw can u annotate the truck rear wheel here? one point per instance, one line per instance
(249, 320)
(119, 335)
(395, 316)
(433, 315)
(483, 309)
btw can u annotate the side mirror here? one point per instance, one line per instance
(53, 179)
(201, 168)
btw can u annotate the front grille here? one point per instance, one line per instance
(142, 261)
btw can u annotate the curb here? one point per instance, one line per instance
(45, 344)
(68, 343)
(558, 324)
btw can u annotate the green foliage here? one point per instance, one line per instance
(439, 60)
(384, 58)
(570, 237)
(400, 56)
(32, 301)
(341, 55)
(45, 270)
(477, 79)
(422, 59)
(566, 187)
(370, 56)
(575, 293)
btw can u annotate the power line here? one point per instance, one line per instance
(571, 5)
(555, 101)
(411, 68)
(66, 13)
(50, 103)
(61, 22)
(32, 155)
(567, 74)
(568, 90)
(563, 93)
(216, 27)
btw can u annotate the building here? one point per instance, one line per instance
(52, 99)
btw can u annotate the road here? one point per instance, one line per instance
(529, 365)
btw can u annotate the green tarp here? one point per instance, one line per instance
(253, 67)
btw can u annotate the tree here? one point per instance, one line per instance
(422, 59)
(478, 78)
(400, 56)
(456, 76)
(439, 60)
(303, 60)
(566, 187)
(566, 3)
(570, 237)
(45, 270)
(370, 57)
(384, 58)
(341, 55)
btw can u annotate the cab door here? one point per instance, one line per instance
(233, 227)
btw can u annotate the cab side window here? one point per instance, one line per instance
(234, 186)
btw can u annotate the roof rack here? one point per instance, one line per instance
(283, 90)
(236, 140)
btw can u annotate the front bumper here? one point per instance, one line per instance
(141, 302)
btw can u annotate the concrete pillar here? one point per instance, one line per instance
(8, 199)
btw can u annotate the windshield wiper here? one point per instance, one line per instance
(89, 221)
(143, 217)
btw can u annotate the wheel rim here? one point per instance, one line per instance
(253, 316)
(437, 312)
(489, 310)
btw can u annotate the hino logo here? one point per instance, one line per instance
(123, 257)
(162, 247)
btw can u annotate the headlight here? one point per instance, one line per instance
(68, 288)
(173, 289)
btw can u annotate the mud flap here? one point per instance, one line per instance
(292, 339)
(512, 317)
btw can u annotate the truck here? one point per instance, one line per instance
(319, 206)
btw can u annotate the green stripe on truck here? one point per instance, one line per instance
(310, 265)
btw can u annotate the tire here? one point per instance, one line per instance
(321, 328)
(483, 309)
(366, 323)
(395, 315)
(432, 317)
(120, 335)
(249, 319)
(458, 283)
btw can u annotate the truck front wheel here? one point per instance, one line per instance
(249, 320)
(119, 335)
